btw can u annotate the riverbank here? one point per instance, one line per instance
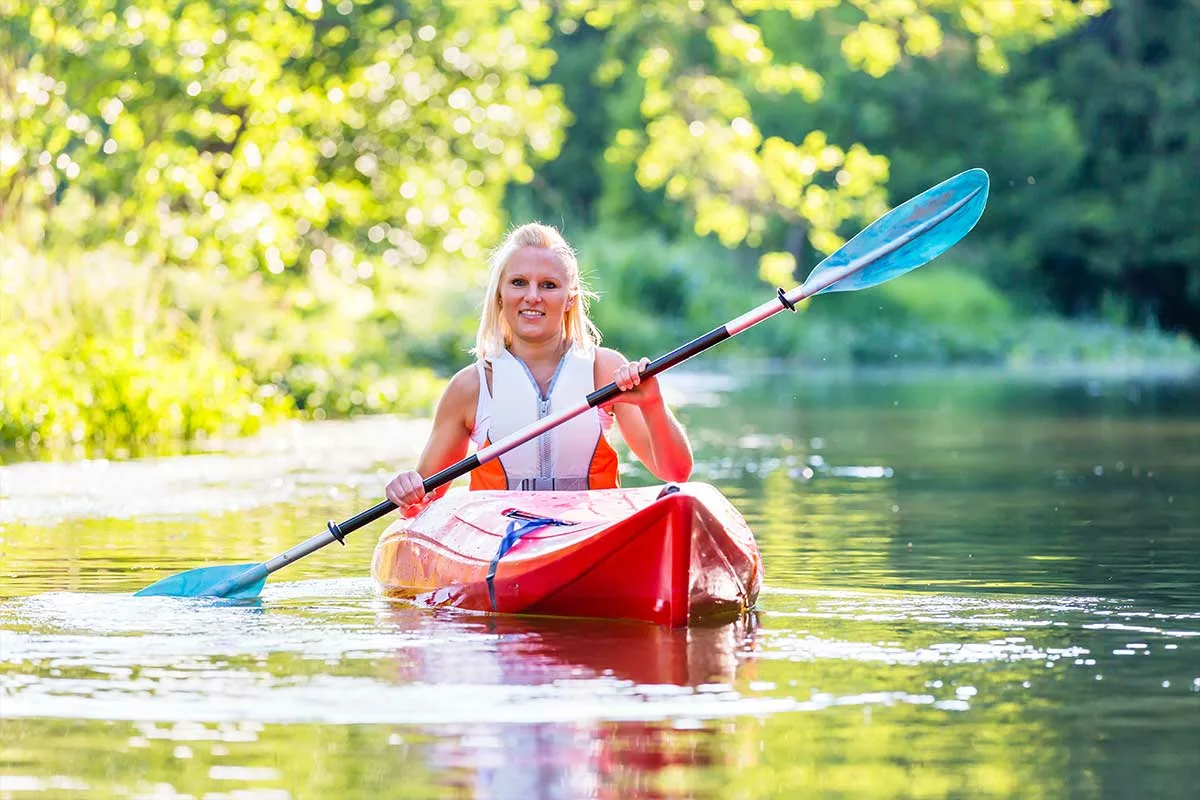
(106, 356)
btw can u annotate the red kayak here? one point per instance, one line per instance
(668, 555)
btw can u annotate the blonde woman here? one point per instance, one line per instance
(537, 352)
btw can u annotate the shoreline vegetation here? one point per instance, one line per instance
(106, 356)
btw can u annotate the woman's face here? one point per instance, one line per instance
(535, 295)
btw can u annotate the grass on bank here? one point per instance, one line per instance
(105, 355)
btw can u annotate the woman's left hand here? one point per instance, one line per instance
(635, 388)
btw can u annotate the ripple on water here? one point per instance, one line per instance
(331, 651)
(325, 651)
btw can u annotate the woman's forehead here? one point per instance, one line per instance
(540, 260)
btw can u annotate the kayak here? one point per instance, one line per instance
(669, 555)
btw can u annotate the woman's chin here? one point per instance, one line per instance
(534, 330)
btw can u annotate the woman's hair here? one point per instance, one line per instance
(494, 334)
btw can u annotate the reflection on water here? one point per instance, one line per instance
(976, 586)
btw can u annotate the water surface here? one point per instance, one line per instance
(978, 585)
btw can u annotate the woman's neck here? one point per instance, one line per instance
(539, 353)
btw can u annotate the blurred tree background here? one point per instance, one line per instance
(214, 214)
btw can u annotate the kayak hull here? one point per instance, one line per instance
(670, 556)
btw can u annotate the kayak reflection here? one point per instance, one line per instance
(573, 761)
(584, 708)
(525, 650)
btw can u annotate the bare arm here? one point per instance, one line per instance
(447, 443)
(650, 429)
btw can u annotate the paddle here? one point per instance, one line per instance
(903, 239)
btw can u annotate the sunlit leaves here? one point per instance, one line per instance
(702, 67)
(219, 120)
(777, 268)
(357, 101)
(872, 48)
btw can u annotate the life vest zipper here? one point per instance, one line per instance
(544, 442)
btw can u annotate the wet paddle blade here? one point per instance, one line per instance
(203, 581)
(909, 235)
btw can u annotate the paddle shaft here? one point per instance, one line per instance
(817, 281)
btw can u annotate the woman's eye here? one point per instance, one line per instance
(549, 285)
(518, 281)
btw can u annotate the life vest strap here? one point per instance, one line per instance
(549, 484)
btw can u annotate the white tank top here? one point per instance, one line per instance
(560, 458)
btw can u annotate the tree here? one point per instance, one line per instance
(1130, 243)
(272, 137)
(701, 73)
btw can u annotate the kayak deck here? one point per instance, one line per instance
(668, 556)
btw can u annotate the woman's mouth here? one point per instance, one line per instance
(531, 313)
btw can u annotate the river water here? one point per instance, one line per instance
(978, 584)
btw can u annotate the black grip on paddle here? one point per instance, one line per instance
(358, 520)
(663, 363)
(451, 472)
(373, 513)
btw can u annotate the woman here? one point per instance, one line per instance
(538, 352)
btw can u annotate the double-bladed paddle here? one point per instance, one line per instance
(903, 239)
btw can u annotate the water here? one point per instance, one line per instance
(978, 585)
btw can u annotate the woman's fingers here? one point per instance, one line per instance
(405, 489)
(628, 376)
(638, 368)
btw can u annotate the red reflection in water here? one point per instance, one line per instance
(574, 758)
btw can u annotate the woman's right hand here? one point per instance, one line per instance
(407, 491)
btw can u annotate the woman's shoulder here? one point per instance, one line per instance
(464, 383)
(607, 358)
(463, 390)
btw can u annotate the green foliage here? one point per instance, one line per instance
(1128, 240)
(654, 292)
(1051, 341)
(275, 136)
(936, 315)
(301, 178)
(94, 362)
(690, 80)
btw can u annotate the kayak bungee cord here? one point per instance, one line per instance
(907, 237)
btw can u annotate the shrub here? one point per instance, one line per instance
(95, 362)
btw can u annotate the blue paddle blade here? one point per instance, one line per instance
(208, 582)
(909, 235)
